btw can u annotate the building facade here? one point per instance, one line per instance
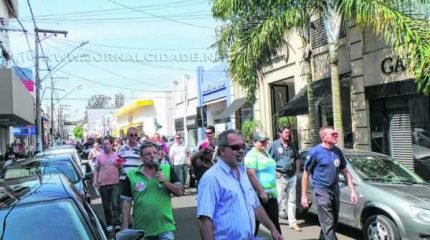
(185, 101)
(150, 114)
(381, 109)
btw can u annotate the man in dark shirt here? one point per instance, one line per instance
(324, 162)
(286, 156)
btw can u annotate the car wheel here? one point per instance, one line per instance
(380, 227)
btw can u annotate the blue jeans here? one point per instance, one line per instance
(110, 201)
(162, 236)
(181, 172)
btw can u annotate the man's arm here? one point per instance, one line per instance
(348, 177)
(176, 188)
(262, 217)
(206, 228)
(125, 212)
(256, 185)
(305, 180)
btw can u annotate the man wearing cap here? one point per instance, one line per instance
(261, 170)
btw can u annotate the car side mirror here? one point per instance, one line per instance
(130, 234)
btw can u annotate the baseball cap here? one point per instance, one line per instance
(259, 136)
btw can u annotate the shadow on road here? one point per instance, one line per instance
(312, 220)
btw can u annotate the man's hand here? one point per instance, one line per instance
(305, 201)
(160, 177)
(276, 235)
(263, 196)
(354, 197)
(278, 175)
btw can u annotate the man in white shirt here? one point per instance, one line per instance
(178, 155)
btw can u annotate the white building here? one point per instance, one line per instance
(185, 102)
(100, 122)
(151, 113)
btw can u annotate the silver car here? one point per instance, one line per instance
(394, 202)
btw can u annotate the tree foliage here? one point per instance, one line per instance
(78, 132)
(254, 31)
(99, 102)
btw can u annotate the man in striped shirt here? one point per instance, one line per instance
(227, 205)
(130, 152)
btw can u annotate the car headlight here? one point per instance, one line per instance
(420, 215)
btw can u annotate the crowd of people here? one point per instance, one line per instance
(237, 188)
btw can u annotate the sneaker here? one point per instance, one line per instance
(295, 227)
(117, 228)
(109, 228)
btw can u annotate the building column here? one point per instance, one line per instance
(359, 106)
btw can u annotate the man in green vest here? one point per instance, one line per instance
(149, 190)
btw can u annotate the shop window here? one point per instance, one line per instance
(279, 98)
(420, 127)
(325, 116)
(244, 113)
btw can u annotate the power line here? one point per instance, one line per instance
(105, 84)
(25, 33)
(158, 16)
(121, 10)
(133, 48)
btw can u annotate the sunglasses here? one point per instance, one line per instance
(334, 134)
(236, 147)
(133, 135)
(177, 138)
(208, 133)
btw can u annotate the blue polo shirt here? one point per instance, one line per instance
(324, 165)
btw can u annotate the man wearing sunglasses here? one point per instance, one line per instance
(324, 162)
(209, 138)
(130, 152)
(227, 205)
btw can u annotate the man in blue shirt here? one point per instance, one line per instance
(226, 203)
(324, 162)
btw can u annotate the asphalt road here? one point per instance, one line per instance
(188, 229)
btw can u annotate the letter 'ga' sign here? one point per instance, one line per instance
(390, 65)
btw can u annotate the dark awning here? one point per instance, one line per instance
(298, 105)
(233, 107)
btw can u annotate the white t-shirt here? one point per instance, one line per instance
(178, 154)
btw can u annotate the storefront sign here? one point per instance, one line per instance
(214, 86)
(192, 122)
(390, 65)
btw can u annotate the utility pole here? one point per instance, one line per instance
(39, 147)
(186, 77)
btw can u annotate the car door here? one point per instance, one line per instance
(347, 209)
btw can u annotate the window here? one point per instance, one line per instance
(65, 220)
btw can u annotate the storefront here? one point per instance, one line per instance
(214, 96)
(16, 106)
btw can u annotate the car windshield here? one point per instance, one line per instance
(382, 168)
(63, 167)
(27, 222)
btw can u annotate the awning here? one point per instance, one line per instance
(133, 106)
(298, 105)
(233, 107)
(16, 103)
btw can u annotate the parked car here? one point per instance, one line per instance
(394, 202)
(59, 164)
(49, 207)
(70, 150)
(422, 161)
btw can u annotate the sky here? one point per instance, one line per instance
(133, 46)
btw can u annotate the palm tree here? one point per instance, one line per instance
(256, 30)
(252, 37)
